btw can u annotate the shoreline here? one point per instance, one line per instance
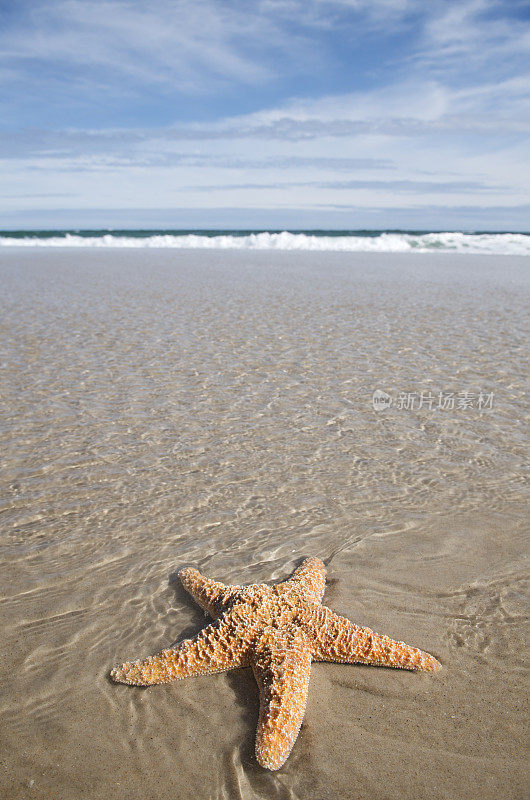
(214, 408)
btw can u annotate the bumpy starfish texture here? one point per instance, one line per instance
(278, 631)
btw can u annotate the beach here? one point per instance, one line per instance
(162, 408)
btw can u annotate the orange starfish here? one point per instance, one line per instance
(278, 631)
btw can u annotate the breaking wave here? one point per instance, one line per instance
(365, 241)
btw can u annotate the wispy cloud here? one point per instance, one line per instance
(406, 187)
(479, 33)
(410, 108)
(150, 43)
(287, 102)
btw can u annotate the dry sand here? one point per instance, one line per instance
(166, 408)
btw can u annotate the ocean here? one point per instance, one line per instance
(388, 241)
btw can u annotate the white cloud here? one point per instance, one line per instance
(449, 122)
(409, 108)
(194, 42)
(447, 144)
(475, 36)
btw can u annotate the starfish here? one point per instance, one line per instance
(278, 631)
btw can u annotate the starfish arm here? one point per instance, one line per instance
(282, 672)
(308, 582)
(222, 645)
(335, 638)
(212, 596)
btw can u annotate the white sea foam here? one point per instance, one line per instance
(485, 243)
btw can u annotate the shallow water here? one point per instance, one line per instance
(166, 408)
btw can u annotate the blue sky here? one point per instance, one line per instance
(273, 113)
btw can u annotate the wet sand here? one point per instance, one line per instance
(164, 408)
